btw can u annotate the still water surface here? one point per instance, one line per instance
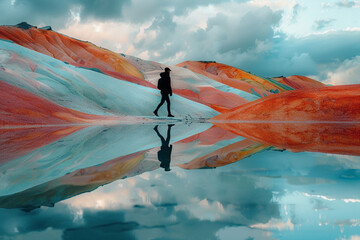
(175, 180)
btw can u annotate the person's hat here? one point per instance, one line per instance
(167, 69)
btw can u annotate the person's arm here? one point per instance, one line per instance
(170, 86)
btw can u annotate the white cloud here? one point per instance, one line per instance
(355, 237)
(225, 33)
(242, 233)
(255, 36)
(319, 196)
(275, 224)
(322, 23)
(205, 210)
(352, 29)
(327, 5)
(237, 34)
(118, 37)
(351, 200)
(197, 18)
(348, 4)
(140, 11)
(275, 4)
(347, 72)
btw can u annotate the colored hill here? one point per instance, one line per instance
(21, 107)
(84, 54)
(215, 85)
(63, 91)
(316, 119)
(236, 78)
(195, 87)
(72, 51)
(299, 82)
(336, 103)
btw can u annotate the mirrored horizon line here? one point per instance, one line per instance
(166, 121)
(281, 121)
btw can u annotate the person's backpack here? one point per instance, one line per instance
(160, 84)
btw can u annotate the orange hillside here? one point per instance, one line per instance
(336, 103)
(232, 76)
(74, 52)
(299, 82)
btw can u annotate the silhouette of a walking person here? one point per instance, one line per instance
(164, 154)
(164, 85)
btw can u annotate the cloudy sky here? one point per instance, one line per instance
(319, 39)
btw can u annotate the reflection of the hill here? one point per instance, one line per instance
(69, 165)
(336, 138)
(226, 155)
(16, 142)
(49, 164)
(74, 183)
(84, 148)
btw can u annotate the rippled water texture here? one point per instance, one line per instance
(181, 180)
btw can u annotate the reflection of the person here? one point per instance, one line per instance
(164, 155)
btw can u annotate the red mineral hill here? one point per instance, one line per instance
(212, 97)
(299, 82)
(233, 77)
(336, 103)
(21, 107)
(72, 51)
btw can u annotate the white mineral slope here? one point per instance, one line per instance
(86, 90)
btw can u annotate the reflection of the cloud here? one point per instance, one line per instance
(248, 197)
(159, 204)
(243, 233)
(218, 204)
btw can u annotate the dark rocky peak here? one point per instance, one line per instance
(24, 25)
(46, 28)
(208, 61)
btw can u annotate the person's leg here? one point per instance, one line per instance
(160, 104)
(167, 99)
(168, 135)
(163, 142)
